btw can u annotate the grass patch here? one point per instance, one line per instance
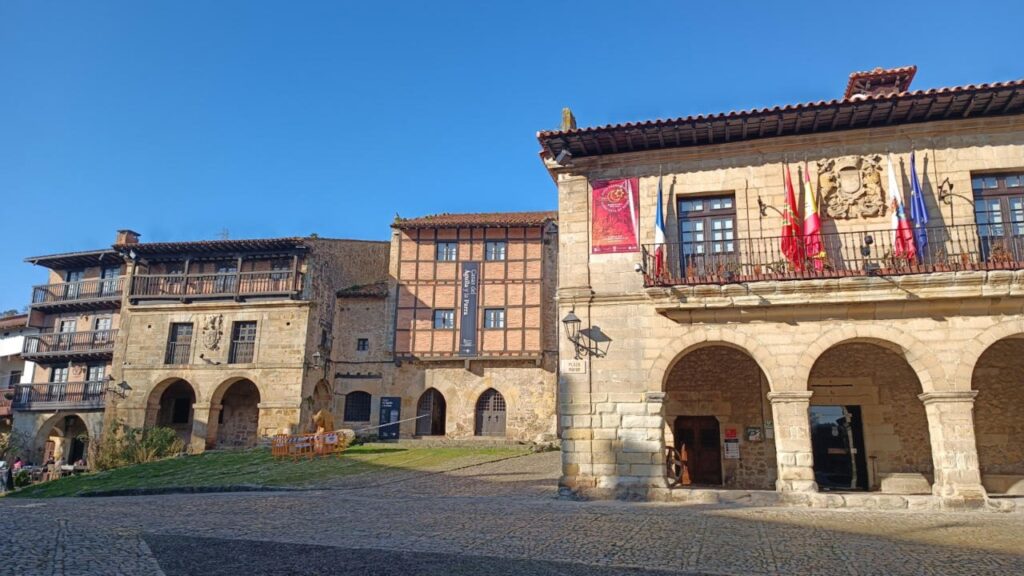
(257, 468)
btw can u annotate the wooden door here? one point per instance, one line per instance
(430, 413)
(698, 438)
(490, 414)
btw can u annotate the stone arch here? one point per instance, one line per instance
(58, 423)
(925, 364)
(979, 345)
(672, 353)
(998, 392)
(234, 414)
(431, 402)
(323, 398)
(166, 404)
(490, 414)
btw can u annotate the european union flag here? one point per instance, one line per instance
(918, 212)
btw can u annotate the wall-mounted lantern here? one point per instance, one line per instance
(590, 341)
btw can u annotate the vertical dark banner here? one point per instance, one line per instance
(468, 309)
(390, 412)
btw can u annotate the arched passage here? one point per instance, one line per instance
(171, 406)
(490, 414)
(323, 398)
(64, 438)
(235, 409)
(716, 414)
(998, 379)
(430, 412)
(869, 430)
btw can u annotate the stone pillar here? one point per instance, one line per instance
(793, 441)
(200, 427)
(954, 450)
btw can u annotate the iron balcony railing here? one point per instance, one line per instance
(218, 285)
(860, 253)
(81, 291)
(178, 353)
(96, 342)
(59, 396)
(241, 351)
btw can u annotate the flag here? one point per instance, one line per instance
(791, 233)
(918, 212)
(812, 224)
(902, 234)
(659, 236)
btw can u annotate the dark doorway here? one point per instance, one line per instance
(490, 414)
(430, 414)
(700, 446)
(837, 441)
(77, 451)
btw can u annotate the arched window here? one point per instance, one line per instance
(357, 407)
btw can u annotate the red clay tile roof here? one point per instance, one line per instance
(903, 75)
(377, 290)
(480, 219)
(971, 101)
(15, 321)
(75, 259)
(213, 246)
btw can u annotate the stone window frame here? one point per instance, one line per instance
(357, 406)
(362, 344)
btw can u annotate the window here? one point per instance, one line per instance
(15, 378)
(73, 287)
(362, 344)
(109, 276)
(494, 318)
(999, 213)
(243, 343)
(96, 373)
(179, 343)
(102, 335)
(444, 319)
(59, 374)
(357, 407)
(495, 250)
(226, 279)
(447, 251)
(707, 232)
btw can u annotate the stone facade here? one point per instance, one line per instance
(903, 347)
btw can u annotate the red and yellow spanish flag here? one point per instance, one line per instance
(792, 235)
(812, 225)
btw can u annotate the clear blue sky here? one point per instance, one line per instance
(182, 118)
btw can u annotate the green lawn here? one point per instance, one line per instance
(361, 464)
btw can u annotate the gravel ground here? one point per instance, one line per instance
(499, 518)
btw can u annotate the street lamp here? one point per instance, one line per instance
(590, 341)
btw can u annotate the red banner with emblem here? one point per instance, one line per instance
(616, 216)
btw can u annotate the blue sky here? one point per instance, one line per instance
(180, 119)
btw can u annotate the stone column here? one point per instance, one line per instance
(954, 450)
(200, 426)
(793, 441)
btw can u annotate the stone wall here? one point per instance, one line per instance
(239, 416)
(999, 381)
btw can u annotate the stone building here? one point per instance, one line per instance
(228, 341)
(461, 341)
(77, 317)
(852, 365)
(14, 370)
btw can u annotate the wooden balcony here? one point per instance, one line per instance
(94, 294)
(843, 254)
(67, 346)
(236, 285)
(59, 396)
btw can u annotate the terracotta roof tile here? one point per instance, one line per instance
(481, 219)
(207, 246)
(15, 321)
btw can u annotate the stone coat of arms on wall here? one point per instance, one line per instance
(212, 331)
(851, 187)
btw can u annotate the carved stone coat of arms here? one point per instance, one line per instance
(212, 331)
(851, 187)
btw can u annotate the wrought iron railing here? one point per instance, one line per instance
(241, 351)
(59, 396)
(61, 343)
(178, 353)
(860, 253)
(221, 284)
(83, 290)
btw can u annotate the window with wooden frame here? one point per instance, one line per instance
(447, 251)
(999, 213)
(243, 343)
(707, 232)
(179, 343)
(494, 318)
(495, 250)
(444, 319)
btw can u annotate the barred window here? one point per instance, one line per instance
(357, 407)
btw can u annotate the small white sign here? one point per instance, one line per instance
(573, 366)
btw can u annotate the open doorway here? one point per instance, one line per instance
(697, 441)
(837, 440)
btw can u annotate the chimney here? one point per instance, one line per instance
(127, 237)
(879, 82)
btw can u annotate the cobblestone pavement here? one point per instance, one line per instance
(498, 519)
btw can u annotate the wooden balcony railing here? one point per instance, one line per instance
(862, 253)
(97, 289)
(220, 285)
(241, 351)
(59, 396)
(97, 342)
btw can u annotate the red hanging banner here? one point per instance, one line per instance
(616, 216)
